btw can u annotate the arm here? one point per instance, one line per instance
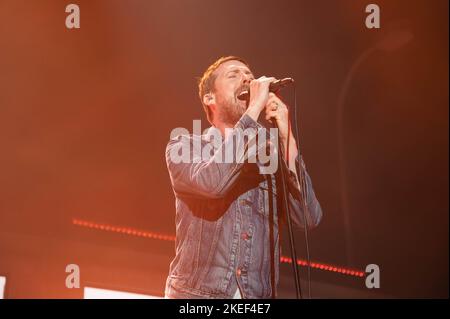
(292, 159)
(314, 211)
(212, 177)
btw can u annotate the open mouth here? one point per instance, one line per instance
(240, 93)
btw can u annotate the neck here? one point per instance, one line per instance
(222, 126)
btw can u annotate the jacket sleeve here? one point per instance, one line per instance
(313, 212)
(210, 177)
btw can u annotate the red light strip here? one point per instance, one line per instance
(152, 235)
(123, 230)
(321, 266)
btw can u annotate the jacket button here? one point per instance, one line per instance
(241, 271)
(243, 202)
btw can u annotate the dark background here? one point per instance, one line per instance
(85, 116)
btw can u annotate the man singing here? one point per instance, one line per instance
(228, 212)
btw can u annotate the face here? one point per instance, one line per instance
(233, 77)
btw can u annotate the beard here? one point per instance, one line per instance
(231, 109)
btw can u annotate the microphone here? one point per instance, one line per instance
(274, 87)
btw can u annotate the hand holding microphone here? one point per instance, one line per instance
(260, 96)
(274, 86)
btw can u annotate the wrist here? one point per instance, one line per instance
(284, 138)
(253, 112)
(291, 144)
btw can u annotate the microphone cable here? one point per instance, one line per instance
(285, 193)
(302, 184)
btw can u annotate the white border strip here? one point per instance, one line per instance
(97, 293)
(2, 287)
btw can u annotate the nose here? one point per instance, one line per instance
(247, 78)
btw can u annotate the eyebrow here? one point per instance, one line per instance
(237, 70)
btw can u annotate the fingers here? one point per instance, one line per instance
(272, 115)
(275, 109)
(275, 104)
(261, 83)
(265, 79)
(259, 93)
(274, 99)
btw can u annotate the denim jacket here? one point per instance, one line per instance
(227, 221)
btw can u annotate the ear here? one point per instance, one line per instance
(209, 99)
